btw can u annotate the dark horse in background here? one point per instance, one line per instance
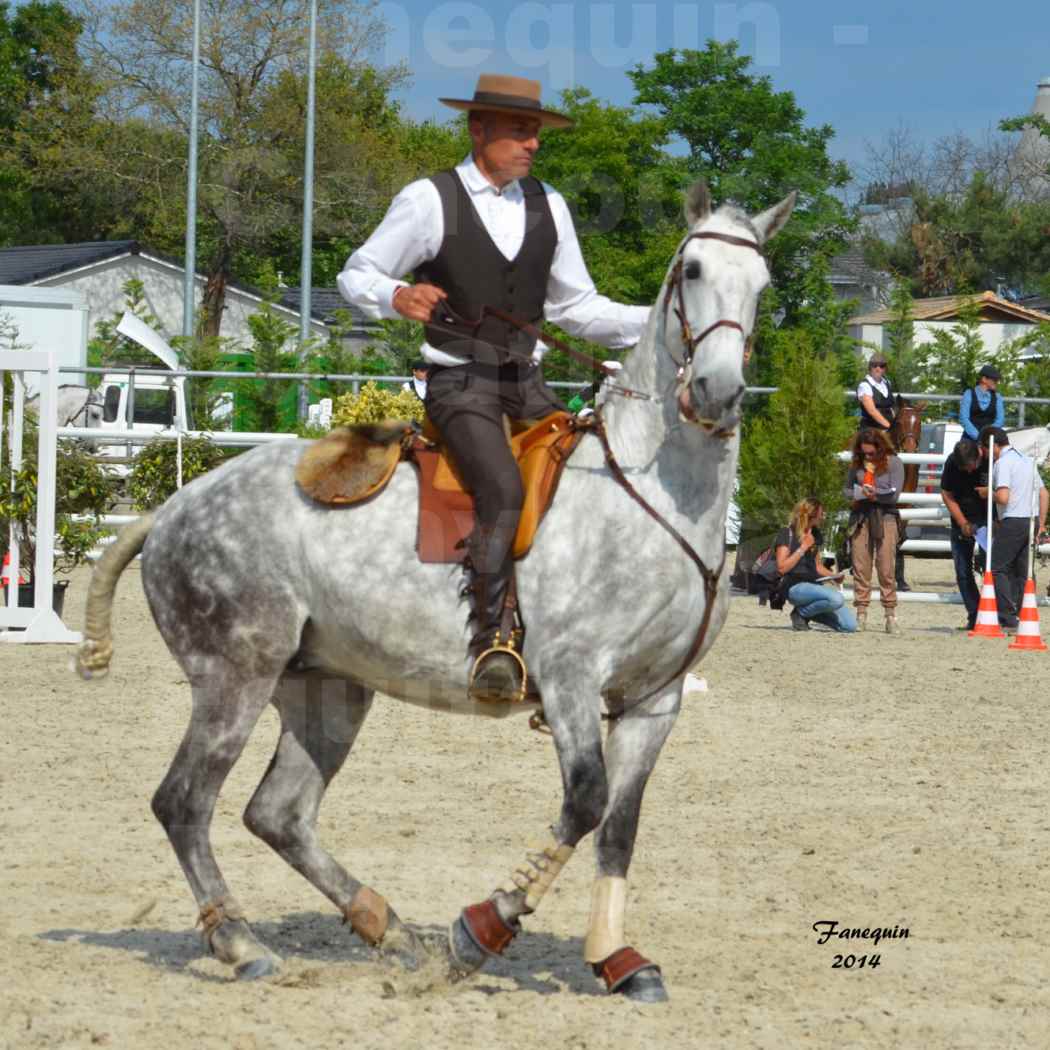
(907, 426)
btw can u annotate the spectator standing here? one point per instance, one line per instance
(1016, 481)
(418, 384)
(874, 484)
(964, 494)
(878, 401)
(796, 548)
(981, 404)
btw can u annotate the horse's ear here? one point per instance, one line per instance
(697, 203)
(770, 222)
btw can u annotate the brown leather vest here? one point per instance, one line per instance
(475, 273)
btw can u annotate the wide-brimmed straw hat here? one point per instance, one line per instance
(496, 93)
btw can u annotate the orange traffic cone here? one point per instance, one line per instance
(987, 625)
(1028, 627)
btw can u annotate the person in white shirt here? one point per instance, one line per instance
(876, 397)
(487, 235)
(1016, 482)
(418, 383)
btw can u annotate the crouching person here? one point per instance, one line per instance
(804, 575)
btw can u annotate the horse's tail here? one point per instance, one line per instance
(95, 652)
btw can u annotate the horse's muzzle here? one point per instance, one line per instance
(717, 417)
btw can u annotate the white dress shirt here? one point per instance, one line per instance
(412, 231)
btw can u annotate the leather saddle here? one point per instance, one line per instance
(354, 464)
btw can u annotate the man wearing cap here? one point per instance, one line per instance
(487, 234)
(981, 406)
(876, 396)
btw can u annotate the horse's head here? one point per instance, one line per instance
(907, 427)
(713, 288)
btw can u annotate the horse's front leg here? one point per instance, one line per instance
(631, 751)
(487, 928)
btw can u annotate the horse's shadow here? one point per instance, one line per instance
(537, 962)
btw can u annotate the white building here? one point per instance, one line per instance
(1001, 321)
(100, 269)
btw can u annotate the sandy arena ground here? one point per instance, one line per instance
(870, 780)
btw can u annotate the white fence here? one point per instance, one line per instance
(38, 623)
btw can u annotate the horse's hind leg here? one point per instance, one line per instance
(226, 707)
(631, 751)
(320, 719)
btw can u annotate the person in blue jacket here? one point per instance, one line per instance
(981, 405)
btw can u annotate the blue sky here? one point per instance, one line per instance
(934, 66)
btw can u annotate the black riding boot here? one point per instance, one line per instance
(902, 583)
(499, 671)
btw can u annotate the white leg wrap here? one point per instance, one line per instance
(608, 904)
(540, 869)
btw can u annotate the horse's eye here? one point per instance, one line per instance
(692, 270)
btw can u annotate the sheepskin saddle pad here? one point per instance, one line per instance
(353, 463)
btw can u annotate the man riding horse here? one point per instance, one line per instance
(487, 234)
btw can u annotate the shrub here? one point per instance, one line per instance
(83, 489)
(373, 405)
(154, 476)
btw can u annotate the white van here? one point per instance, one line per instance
(155, 404)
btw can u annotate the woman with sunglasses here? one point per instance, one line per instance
(873, 486)
(878, 402)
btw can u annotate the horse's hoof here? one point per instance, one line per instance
(466, 956)
(254, 969)
(646, 986)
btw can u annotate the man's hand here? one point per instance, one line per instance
(966, 529)
(417, 301)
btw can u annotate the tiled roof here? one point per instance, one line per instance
(37, 261)
(946, 308)
(323, 304)
(850, 267)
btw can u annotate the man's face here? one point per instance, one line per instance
(988, 383)
(505, 145)
(877, 369)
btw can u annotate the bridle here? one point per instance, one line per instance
(674, 290)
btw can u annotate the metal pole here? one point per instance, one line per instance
(306, 265)
(188, 282)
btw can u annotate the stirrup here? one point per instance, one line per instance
(500, 647)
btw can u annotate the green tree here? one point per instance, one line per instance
(252, 95)
(45, 93)
(108, 347)
(789, 452)
(265, 401)
(978, 239)
(752, 146)
(899, 345)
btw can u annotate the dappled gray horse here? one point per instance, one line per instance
(264, 596)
